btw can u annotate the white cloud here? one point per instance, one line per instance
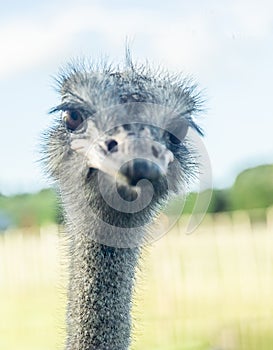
(185, 43)
(186, 40)
(254, 18)
(26, 42)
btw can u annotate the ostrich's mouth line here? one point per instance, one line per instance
(121, 181)
(130, 192)
(126, 191)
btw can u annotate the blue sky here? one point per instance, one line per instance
(226, 46)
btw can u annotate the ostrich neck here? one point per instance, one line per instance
(101, 283)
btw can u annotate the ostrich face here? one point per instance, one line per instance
(127, 153)
(120, 137)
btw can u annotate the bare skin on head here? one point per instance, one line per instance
(122, 131)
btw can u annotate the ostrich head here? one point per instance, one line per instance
(119, 147)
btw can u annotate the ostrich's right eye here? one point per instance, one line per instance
(72, 119)
(174, 140)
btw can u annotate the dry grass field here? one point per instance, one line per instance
(211, 290)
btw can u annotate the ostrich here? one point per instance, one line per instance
(117, 152)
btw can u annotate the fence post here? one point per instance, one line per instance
(269, 219)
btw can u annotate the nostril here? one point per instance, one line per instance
(155, 151)
(112, 146)
(127, 127)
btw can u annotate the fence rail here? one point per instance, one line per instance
(32, 256)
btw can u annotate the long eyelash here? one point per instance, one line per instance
(196, 127)
(71, 106)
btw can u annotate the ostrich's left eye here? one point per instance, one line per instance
(180, 129)
(72, 119)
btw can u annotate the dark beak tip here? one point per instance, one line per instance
(139, 169)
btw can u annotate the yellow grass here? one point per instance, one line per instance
(205, 291)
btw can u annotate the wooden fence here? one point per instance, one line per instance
(30, 257)
(211, 289)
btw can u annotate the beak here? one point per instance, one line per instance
(129, 161)
(138, 169)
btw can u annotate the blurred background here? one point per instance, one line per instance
(211, 290)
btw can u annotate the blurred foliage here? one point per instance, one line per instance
(219, 202)
(27, 210)
(253, 188)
